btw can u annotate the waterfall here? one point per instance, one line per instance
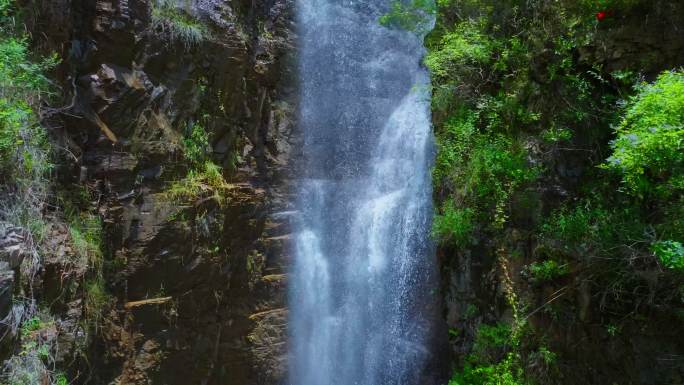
(363, 280)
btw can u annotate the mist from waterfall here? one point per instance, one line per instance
(363, 280)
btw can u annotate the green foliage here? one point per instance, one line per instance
(612, 330)
(589, 226)
(205, 178)
(470, 311)
(479, 162)
(23, 142)
(514, 104)
(465, 47)
(207, 181)
(32, 325)
(96, 299)
(5, 7)
(545, 355)
(454, 142)
(25, 153)
(38, 345)
(61, 379)
(484, 169)
(454, 225)
(85, 231)
(489, 337)
(22, 77)
(548, 270)
(25, 167)
(196, 144)
(555, 135)
(495, 168)
(177, 22)
(13, 117)
(649, 149)
(583, 223)
(506, 372)
(412, 16)
(492, 362)
(670, 254)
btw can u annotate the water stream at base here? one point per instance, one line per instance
(364, 273)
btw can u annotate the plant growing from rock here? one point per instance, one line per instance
(670, 254)
(33, 364)
(549, 270)
(176, 20)
(205, 181)
(413, 16)
(453, 225)
(649, 149)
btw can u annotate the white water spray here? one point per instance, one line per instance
(364, 270)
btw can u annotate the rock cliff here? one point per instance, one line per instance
(195, 282)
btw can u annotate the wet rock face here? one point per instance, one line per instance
(198, 286)
(6, 289)
(647, 36)
(13, 249)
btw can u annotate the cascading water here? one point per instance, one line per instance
(363, 278)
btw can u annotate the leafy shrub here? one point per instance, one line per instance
(32, 325)
(649, 148)
(508, 71)
(497, 166)
(414, 16)
(61, 379)
(591, 226)
(23, 78)
(491, 336)
(205, 178)
(670, 254)
(5, 7)
(454, 225)
(506, 372)
(483, 168)
(175, 21)
(454, 142)
(23, 143)
(14, 116)
(25, 154)
(586, 223)
(464, 47)
(196, 144)
(575, 226)
(490, 364)
(545, 271)
(555, 135)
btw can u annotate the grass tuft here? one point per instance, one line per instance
(203, 182)
(178, 23)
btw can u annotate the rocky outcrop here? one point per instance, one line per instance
(197, 285)
(647, 37)
(13, 250)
